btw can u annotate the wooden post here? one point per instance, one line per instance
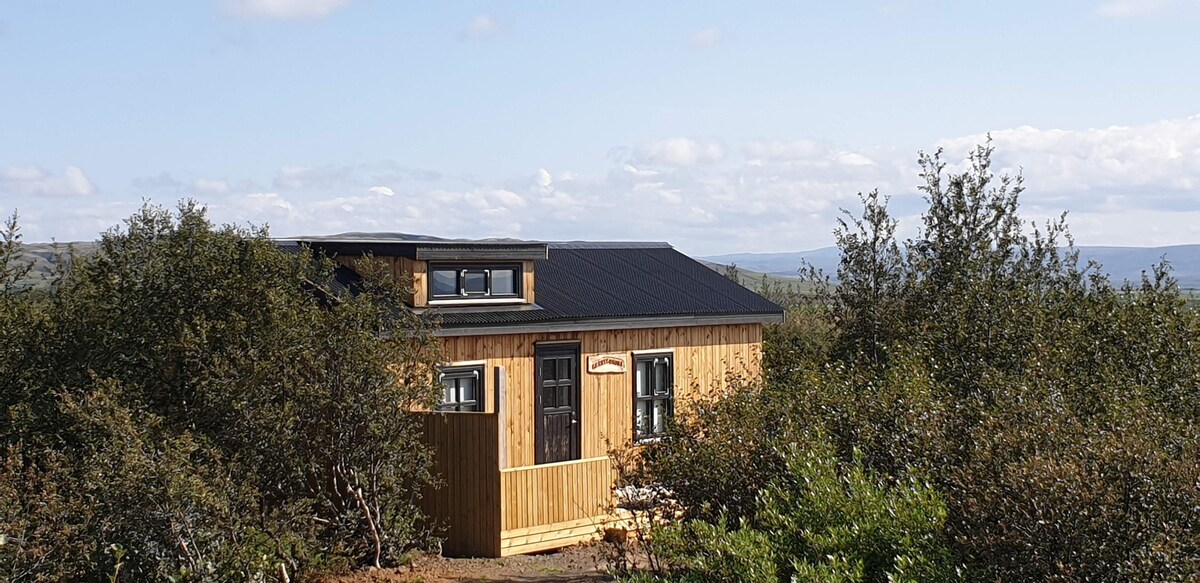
(501, 385)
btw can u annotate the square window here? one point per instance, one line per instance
(462, 389)
(653, 395)
(504, 282)
(475, 282)
(445, 282)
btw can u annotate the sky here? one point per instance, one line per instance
(717, 126)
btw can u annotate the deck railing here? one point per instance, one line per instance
(489, 512)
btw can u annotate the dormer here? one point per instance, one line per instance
(447, 272)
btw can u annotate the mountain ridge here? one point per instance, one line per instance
(1119, 262)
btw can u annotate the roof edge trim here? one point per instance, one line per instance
(612, 324)
(464, 252)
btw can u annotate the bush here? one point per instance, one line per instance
(847, 524)
(816, 521)
(1055, 414)
(698, 551)
(188, 402)
(719, 454)
(1054, 411)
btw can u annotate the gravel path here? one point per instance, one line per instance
(579, 564)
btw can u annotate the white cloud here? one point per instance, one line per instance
(161, 182)
(854, 159)
(482, 27)
(544, 179)
(314, 178)
(630, 168)
(33, 181)
(1136, 227)
(706, 37)
(1136, 185)
(683, 152)
(283, 9)
(505, 198)
(1160, 159)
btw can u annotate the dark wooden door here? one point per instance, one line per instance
(557, 404)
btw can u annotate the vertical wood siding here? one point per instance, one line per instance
(466, 446)
(564, 491)
(704, 355)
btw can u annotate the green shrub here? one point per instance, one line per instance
(698, 551)
(832, 523)
(720, 453)
(1055, 413)
(816, 521)
(190, 403)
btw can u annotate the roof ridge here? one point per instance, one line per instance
(610, 245)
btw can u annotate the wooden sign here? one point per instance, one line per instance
(606, 363)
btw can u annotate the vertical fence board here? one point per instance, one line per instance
(466, 450)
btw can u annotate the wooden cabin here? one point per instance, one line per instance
(558, 352)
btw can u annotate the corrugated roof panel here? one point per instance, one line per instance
(583, 282)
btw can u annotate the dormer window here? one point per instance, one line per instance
(463, 282)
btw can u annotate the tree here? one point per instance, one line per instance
(212, 409)
(1055, 414)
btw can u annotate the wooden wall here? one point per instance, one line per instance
(466, 447)
(703, 356)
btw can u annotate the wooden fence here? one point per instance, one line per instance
(467, 504)
(490, 512)
(553, 505)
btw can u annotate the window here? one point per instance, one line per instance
(462, 389)
(474, 282)
(653, 395)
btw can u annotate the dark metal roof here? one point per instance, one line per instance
(591, 284)
(601, 281)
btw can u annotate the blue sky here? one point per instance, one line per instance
(721, 127)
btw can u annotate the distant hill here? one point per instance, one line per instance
(45, 255)
(1121, 263)
(756, 279)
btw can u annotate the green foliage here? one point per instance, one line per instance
(712, 553)
(202, 402)
(816, 521)
(1055, 414)
(719, 455)
(847, 524)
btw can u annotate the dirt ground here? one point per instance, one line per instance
(578, 564)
